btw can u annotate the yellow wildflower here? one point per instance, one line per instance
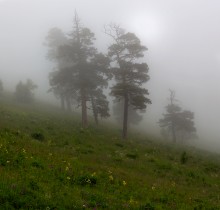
(111, 178)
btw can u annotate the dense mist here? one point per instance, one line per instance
(183, 53)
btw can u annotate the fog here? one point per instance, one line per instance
(183, 40)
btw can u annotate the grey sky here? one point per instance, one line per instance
(183, 38)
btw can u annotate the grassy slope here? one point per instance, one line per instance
(48, 162)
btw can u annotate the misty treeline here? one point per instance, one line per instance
(24, 91)
(82, 73)
(176, 122)
(82, 76)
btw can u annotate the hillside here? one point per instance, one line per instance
(48, 162)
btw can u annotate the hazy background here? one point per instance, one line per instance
(183, 38)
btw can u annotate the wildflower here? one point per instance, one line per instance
(111, 178)
(131, 201)
(109, 172)
(8, 161)
(124, 183)
(67, 168)
(88, 181)
(153, 187)
(93, 174)
(24, 151)
(68, 178)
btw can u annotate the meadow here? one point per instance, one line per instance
(47, 161)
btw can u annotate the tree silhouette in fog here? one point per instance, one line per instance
(57, 79)
(178, 122)
(128, 72)
(82, 71)
(24, 91)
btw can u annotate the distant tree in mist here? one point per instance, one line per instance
(178, 122)
(82, 73)
(57, 79)
(60, 85)
(24, 91)
(1, 87)
(128, 72)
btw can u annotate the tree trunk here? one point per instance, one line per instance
(94, 111)
(125, 118)
(62, 102)
(173, 133)
(68, 104)
(84, 108)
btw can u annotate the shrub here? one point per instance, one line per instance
(38, 136)
(184, 158)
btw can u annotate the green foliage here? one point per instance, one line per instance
(147, 206)
(38, 136)
(132, 156)
(184, 158)
(87, 180)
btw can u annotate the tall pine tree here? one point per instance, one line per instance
(83, 72)
(129, 73)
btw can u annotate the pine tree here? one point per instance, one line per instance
(129, 74)
(24, 91)
(55, 39)
(83, 72)
(177, 121)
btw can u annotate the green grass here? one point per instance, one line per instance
(48, 162)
